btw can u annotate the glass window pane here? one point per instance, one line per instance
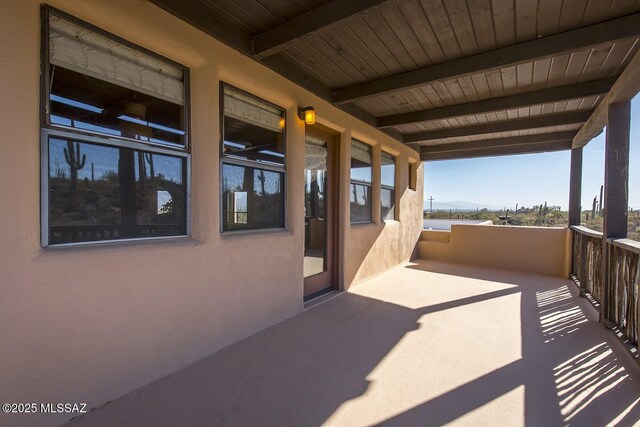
(387, 201)
(246, 141)
(91, 104)
(99, 192)
(251, 198)
(388, 170)
(360, 197)
(315, 221)
(253, 129)
(100, 85)
(360, 162)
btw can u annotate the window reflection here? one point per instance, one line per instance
(388, 170)
(387, 190)
(84, 102)
(247, 141)
(387, 202)
(253, 129)
(315, 240)
(361, 178)
(360, 198)
(100, 192)
(253, 153)
(252, 198)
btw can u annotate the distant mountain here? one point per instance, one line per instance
(459, 205)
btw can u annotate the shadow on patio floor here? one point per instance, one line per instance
(425, 344)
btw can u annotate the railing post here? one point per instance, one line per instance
(616, 191)
(582, 268)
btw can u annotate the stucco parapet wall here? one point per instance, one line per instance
(542, 250)
(445, 235)
(436, 235)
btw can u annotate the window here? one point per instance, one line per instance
(413, 175)
(387, 187)
(114, 137)
(360, 194)
(253, 162)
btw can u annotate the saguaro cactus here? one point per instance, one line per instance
(540, 213)
(60, 173)
(73, 158)
(600, 206)
(262, 179)
(149, 158)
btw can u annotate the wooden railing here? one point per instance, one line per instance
(622, 307)
(619, 308)
(587, 261)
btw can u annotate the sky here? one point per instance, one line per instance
(530, 179)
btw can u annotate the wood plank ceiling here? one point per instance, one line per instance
(453, 78)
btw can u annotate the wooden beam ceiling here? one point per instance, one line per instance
(320, 18)
(615, 29)
(562, 93)
(625, 88)
(502, 126)
(265, 48)
(498, 142)
(539, 147)
(207, 20)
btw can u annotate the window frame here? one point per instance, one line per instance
(48, 129)
(389, 187)
(364, 183)
(229, 160)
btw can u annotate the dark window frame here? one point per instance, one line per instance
(267, 166)
(389, 187)
(49, 129)
(368, 184)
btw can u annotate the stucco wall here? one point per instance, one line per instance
(377, 246)
(541, 250)
(90, 324)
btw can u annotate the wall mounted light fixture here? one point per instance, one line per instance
(308, 114)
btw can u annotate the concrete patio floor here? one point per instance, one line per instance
(423, 344)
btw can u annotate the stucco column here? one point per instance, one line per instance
(575, 186)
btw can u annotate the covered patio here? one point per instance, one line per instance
(456, 80)
(425, 344)
(212, 325)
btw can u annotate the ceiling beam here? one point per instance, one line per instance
(562, 93)
(540, 147)
(625, 88)
(514, 141)
(608, 31)
(502, 126)
(320, 18)
(207, 20)
(287, 69)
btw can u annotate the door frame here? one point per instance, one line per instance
(333, 226)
